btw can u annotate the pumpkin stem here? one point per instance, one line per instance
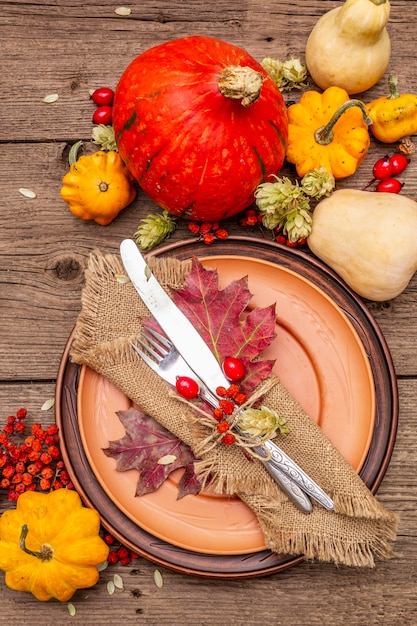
(392, 85)
(324, 135)
(45, 554)
(241, 83)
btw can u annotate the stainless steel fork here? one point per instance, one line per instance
(162, 357)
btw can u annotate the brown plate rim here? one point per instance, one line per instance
(258, 563)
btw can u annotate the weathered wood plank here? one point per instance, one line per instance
(71, 48)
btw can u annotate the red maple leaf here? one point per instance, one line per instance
(144, 445)
(226, 323)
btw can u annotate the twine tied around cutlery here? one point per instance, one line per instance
(359, 530)
(206, 436)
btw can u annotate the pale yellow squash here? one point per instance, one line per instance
(369, 239)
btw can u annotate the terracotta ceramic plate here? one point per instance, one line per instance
(329, 353)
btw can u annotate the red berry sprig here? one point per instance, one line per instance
(118, 553)
(30, 462)
(208, 231)
(385, 170)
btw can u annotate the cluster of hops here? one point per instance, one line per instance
(286, 206)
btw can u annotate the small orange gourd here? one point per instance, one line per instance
(50, 545)
(327, 130)
(98, 186)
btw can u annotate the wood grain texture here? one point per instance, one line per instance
(70, 48)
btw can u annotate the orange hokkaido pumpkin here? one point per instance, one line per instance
(200, 124)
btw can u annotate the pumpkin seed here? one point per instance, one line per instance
(71, 609)
(118, 581)
(123, 11)
(28, 193)
(53, 97)
(159, 581)
(48, 404)
(110, 587)
(102, 566)
(122, 279)
(167, 459)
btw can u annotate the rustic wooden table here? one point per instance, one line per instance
(70, 49)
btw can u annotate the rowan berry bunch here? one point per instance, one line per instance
(30, 462)
(118, 553)
(208, 231)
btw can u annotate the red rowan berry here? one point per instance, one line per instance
(20, 467)
(208, 239)
(241, 398)
(36, 445)
(109, 539)
(232, 391)
(222, 427)
(221, 233)
(27, 479)
(205, 227)
(194, 227)
(45, 458)
(227, 406)
(20, 427)
(45, 484)
(228, 439)
(47, 472)
(21, 414)
(8, 429)
(218, 414)
(5, 483)
(112, 557)
(34, 455)
(8, 471)
(122, 552)
(11, 419)
(20, 488)
(54, 452)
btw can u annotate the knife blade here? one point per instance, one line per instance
(171, 319)
(192, 347)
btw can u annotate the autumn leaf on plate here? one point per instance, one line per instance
(152, 450)
(225, 321)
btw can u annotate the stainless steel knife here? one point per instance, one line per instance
(198, 355)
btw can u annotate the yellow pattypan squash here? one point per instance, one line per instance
(98, 186)
(50, 546)
(394, 116)
(327, 130)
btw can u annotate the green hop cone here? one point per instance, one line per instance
(318, 183)
(103, 136)
(153, 229)
(262, 423)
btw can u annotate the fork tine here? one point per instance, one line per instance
(161, 343)
(156, 355)
(144, 356)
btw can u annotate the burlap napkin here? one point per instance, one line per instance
(358, 532)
